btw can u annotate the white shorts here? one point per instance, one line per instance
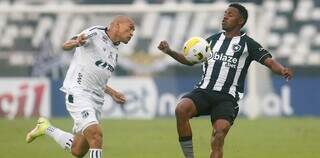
(84, 109)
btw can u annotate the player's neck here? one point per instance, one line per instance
(112, 37)
(232, 33)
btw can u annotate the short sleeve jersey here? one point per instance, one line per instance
(93, 63)
(231, 58)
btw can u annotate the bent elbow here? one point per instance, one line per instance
(66, 47)
(269, 62)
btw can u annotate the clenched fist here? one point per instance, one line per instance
(164, 47)
(119, 98)
(287, 73)
(82, 39)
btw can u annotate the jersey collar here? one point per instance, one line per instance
(114, 43)
(242, 33)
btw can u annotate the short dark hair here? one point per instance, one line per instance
(242, 10)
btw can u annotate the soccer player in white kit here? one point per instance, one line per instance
(95, 58)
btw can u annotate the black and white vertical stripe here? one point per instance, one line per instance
(220, 71)
(234, 73)
(209, 69)
(245, 60)
(95, 153)
(218, 76)
(212, 40)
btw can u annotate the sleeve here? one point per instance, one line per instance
(208, 39)
(89, 33)
(257, 52)
(212, 39)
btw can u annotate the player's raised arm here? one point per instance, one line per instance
(116, 96)
(76, 41)
(165, 48)
(278, 68)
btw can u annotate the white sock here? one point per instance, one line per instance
(64, 139)
(95, 153)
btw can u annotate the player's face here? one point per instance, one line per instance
(126, 30)
(231, 19)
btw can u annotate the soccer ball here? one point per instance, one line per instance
(196, 50)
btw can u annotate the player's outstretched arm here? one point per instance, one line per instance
(165, 48)
(278, 68)
(116, 96)
(74, 42)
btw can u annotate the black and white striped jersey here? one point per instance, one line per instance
(226, 70)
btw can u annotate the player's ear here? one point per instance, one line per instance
(114, 26)
(241, 21)
(118, 26)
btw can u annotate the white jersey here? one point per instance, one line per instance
(92, 63)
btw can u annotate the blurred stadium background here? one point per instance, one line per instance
(33, 66)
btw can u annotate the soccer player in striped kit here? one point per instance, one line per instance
(222, 83)
(94, 60)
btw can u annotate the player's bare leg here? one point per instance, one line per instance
(184, 111)
(80, 146)
(93, 135)
(220, 130)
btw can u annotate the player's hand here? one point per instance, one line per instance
(82, 39)
(164, 47)
(287, 73)
(118, 98)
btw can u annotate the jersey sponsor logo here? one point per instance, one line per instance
(92, 34)
(230, 60)
(104, 65)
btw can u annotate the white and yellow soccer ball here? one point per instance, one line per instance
(196, 50)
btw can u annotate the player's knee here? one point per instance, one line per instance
(181, 111)
(78, 152)
(221, 128)
(185, 109)
(218, 137)
(95, 138)
(94, 135)
(219, 134)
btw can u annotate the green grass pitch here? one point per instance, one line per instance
(262, 138)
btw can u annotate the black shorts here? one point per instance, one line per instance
(219, 105)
